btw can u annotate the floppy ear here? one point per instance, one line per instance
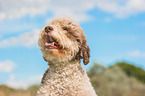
(84, 52)
(44, 59)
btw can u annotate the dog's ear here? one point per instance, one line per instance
(84, 52)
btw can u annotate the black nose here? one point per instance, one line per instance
(48, 29)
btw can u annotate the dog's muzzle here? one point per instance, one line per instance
(50, 42)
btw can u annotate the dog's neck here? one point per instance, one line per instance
(62, 69)
(60, 66)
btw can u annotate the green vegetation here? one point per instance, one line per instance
(115, 81)
(120, 79)
(132, 71)
(7, 91)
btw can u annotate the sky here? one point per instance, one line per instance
(115, 32)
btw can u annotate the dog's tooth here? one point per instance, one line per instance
(52, 43)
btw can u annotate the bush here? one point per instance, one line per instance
(114, 81)
(132, 71)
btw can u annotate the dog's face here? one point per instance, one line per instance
(63, 40)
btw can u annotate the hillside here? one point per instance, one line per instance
(7, 91)
(132, 71)
(120, 79)
(115, 81)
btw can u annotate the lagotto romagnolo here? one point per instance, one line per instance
(63, 43)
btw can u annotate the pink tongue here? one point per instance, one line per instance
(49, 44)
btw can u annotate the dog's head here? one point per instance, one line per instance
(63, 40)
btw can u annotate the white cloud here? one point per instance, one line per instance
(75, 8)
(12, 76)
(6, 66)
(137, 54)
(27, 39)
(23, 83)
(122, 8)
(107, 19)
(2, 16)
(19, 8)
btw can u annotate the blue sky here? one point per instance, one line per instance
(115, 31)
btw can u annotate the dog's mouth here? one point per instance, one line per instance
(51, 43)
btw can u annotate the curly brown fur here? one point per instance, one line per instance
(63, 44)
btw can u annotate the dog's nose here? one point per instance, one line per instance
(48, 29)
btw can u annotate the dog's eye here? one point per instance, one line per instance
(78, 40)
(65, 29)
